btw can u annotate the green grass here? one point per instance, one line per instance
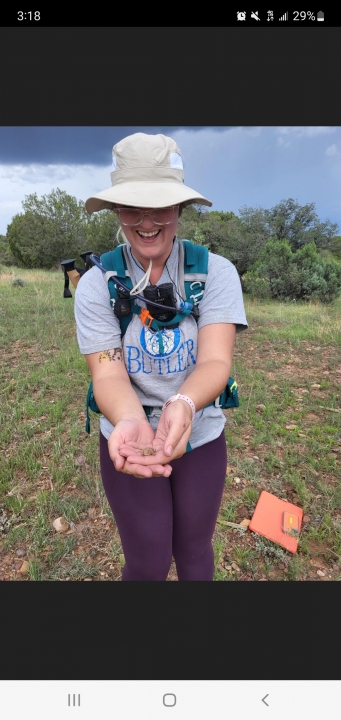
(285, 438)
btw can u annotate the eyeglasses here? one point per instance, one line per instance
(135, 216)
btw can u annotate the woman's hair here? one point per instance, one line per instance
(120, 232)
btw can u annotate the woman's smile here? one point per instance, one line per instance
(148, 236)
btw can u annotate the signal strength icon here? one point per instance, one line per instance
(285, 16)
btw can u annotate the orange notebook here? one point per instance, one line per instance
(267, 520)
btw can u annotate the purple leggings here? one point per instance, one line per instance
(159, 517)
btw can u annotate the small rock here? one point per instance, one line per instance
(235, 567)
(24, 568)
(291, 427)
(245, 522)
(306, 518)
(91, 512)
(237, 480)
(260, 407)
(87, 579)
(316, 385)
(316, 562)
(20, 552)
(320, 573)
(301, 435)
(60, 525)
(81, 460)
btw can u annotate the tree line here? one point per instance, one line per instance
(285, 252)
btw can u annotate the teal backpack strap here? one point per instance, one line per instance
(115, 264)
(195, 270)
(92, 405)
(229, 397)
(114, 260)
(195, 276)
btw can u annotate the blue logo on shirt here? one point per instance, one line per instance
(150, 341)
(177, 358)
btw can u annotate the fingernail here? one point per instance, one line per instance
(169, 450)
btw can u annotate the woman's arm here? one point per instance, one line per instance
(114, 395)
(119, 403)
(213, 365)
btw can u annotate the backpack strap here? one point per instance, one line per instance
(195, 275)
(116, 266)
(195, 269)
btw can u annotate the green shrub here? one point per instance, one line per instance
(300, 275)
(6, 256)
(256, 286)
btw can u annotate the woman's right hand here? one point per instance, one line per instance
(134, 433)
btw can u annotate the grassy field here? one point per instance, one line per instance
(284, 438)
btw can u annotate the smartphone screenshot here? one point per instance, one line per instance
(170, 279)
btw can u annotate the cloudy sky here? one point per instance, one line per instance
(232, 166)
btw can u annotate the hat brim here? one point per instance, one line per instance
(144, 195)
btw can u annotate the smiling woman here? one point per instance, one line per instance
(156, 382)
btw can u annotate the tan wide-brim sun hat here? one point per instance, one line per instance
(148, 173)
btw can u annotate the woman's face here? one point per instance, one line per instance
(151, 241)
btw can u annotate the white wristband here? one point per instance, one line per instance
(181, 397)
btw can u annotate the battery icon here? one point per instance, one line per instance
(320, 16)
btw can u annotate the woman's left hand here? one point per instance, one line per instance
(174, 429)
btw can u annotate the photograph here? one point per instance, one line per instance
(171, 363)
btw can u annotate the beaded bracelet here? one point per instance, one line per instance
(181, 397)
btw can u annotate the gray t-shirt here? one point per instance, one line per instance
(155, 376)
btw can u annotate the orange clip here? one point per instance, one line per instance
(145, 317)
